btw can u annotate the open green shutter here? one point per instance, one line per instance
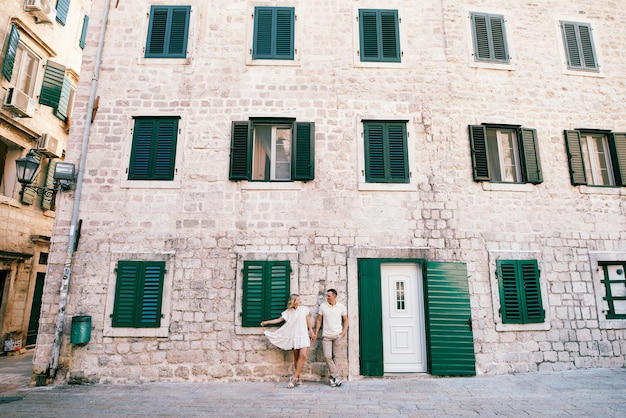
(63, 7)
(398, 158)
(511, 307)
(370, 318)
(9, 52)
(64, 100)
(449, 319)
(83, 33)
(478, 145)
(47, 200)
(303, 154)
(530, 151)
(151, 294)
(619, 141)
(252, 302)
(277, 289)
(534, 312)
(575, 158)
(126, 293)
(284, 48)
(375, 170)
(390, 39)
(52, 84)
(164, 159)
(240, 151)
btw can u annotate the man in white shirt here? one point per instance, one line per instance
(335, 319)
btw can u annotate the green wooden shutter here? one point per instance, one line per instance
(498, 37)
(240, 151)
(398, 158)
(262, 45)
(152, 291)
(153, 155)
(619, 142)
(64, 100)
(478, 145)
(303, 154)
(375, 167)
(530, 152)
(63, 7)
(9, 52)
(575, 158)
(370, 318)
(534, 312)
(52, 84)
(168, 32)
(510, 302)
(520, 291)
(138, 294)
(489, 37)
(379, 35)
(579, 46)
(390, 39)
(284, 48)
(29, 195)
(266, 288)
(273, 33)
(48, 200)
(449, 329)
(126, 293)
(83, 33)
(369, 35)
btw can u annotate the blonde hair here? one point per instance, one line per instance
(292, 300)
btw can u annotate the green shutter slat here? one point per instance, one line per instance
(150, 308)
(284, 33)
(370, 318)
(449, 334)
(619, 140)
(83, 33)
(47, 200)
(575, 158)
(303, 157)
(390, 36)
(64, 99)
(126, 289)
(9, 52)
(240, 151)
(375, 170)
(398, 158)
(530, 152)
(29, 195)
(63, 7)
(534, 312)
(52, 84)
(478, 145)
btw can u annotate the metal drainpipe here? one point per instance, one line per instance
(67, 270)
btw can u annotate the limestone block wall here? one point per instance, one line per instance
(206, 225)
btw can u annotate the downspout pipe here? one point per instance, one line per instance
(67, 270)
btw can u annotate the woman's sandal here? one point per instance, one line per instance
(290, 384)
(299, 382)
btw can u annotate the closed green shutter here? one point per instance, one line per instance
(579, 46)
(273, 33)
(266, 288)
(48, 199)
(520, 291)
(52, 84)
(489, 38)
(575, 158)
(379, 35)
(9, 52)
(240, 151)
(168, 32)
(153, 155)
(303, 154)
(386, 159)
(398, 158)
(478, 145)
(530, 152)
(63, 7)
(138, 294)
(370, 318)
(449, 329)
(619, 141)
(374, 153)
(83, 33)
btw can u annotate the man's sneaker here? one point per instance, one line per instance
(338, 382)
(332, 382)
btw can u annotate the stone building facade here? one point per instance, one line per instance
(455, 169)
(40, 58)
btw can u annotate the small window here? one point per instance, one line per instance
(596, 158)
(153, 154)
(614, 281)
(168, 32)
(272, 150)
(266, 289)
(379, 35)
(138, 294)
(579, 47)
(56, 89)
(520, 292)
(273, 33)
(20, 64)
(489, 38)
(386, 158)
(43, 259)
(505, 154)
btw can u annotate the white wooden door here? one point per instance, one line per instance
(404, 337)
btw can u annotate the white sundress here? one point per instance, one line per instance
(294, 332)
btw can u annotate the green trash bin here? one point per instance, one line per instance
(81, 329)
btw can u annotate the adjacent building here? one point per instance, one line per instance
(455, 169)
(41, 45)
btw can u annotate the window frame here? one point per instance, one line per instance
(243, 146)
(579, 46)
(492, 39)
(527, 149)
(519, 281)
(277, 33)
(264, 294)
(157, 149)
(576, 157)
(381, 35)
(607, 297)
(168, 31)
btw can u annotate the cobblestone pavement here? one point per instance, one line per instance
(578, 393)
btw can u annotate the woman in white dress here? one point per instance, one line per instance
(294, 335)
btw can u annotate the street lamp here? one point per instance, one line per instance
(64, 175)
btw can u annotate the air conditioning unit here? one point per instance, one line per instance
(19, 103)
(50, 146)
(43, 11)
